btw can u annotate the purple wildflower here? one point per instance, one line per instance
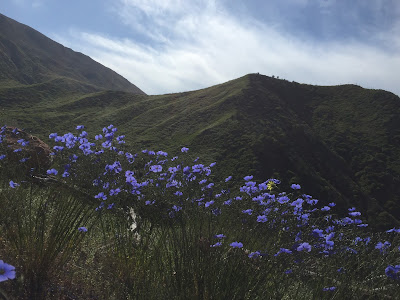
(393, 272)
(304, 247)
(52, 171)
(156, 168)
(254, 254)
(326, 289)
(6, 271)
(82, 229)
(236, 245)
(262, 219)
(228, 178)
(13, 184)
(283, 250)
(355, 214)
(295, 186)
(207, 204)
(220, 236)
(176, 208)
(101, 195)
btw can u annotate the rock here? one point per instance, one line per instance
(35, 151)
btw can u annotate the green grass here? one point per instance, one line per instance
(252, 124)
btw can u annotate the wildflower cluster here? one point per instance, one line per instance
(120, 179)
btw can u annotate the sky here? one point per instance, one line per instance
(171, 46)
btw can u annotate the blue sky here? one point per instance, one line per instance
(167, 46)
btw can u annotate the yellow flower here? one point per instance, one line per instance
(271, 185)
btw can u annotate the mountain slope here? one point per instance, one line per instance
(29, 57)
(340, 143)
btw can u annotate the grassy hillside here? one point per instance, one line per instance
(341, 143)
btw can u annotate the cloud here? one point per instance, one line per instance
(26, 3)
(186, 45)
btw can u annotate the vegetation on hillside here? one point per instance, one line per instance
(341, 143)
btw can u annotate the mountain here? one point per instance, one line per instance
(341, 143)
(28, 57)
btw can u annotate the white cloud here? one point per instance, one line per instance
(195, 44)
